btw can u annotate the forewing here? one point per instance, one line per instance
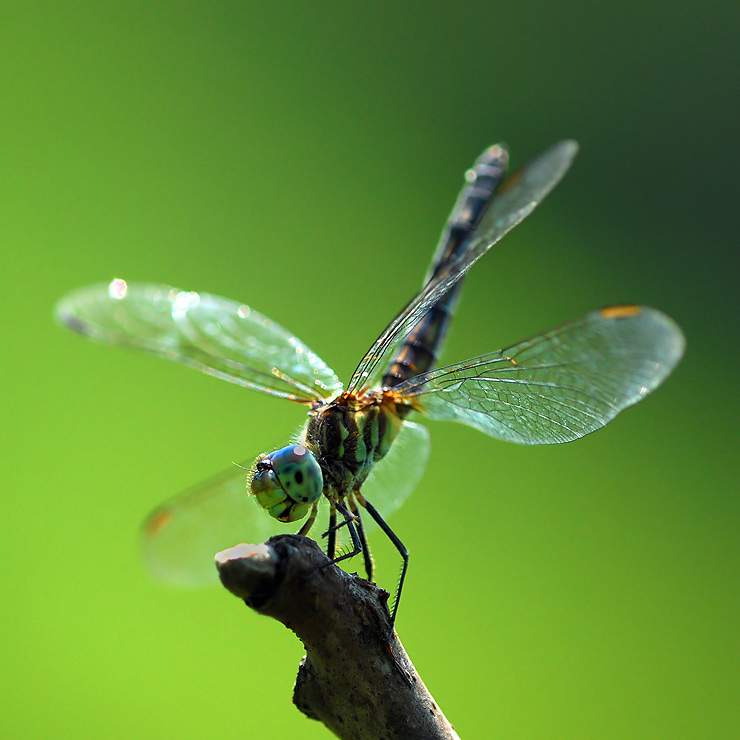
(215, 335)
(180, 538)
(514, 201)
(561, 385)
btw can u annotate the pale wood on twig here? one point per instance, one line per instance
(355, 681)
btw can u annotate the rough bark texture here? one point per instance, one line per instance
(355, 681)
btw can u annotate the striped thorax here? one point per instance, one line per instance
(349, 435)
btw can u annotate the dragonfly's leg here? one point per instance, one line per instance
(393, 537)
(363, 538)
(331, 532)
(335, 526)
(304, 530)
(331, 545)
(349, 522)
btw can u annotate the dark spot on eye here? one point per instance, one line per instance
(299, 477)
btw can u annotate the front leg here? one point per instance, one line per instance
(349, 522)
(366, 554)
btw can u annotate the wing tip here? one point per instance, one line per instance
(668, 338)
(569, 146)
(64, 314)
(565, 151)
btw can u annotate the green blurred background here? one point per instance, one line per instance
(302, 158)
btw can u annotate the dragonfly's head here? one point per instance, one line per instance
(287, 482)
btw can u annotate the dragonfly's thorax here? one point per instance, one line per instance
(350, 434)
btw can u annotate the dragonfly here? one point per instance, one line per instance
(359, 454)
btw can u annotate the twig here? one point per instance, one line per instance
(351, 678)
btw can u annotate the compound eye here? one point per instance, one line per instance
(298, 473)
(287, 482)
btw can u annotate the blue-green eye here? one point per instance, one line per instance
(287, 482)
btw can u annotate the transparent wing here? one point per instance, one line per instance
(180, 538)
(514, 201)
(216, 335)
(389, 484)
(559, 386)
(394, 478)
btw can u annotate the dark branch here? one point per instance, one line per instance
(351, 679)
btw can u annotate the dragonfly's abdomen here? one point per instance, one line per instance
(348, 438)
(419, 351)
